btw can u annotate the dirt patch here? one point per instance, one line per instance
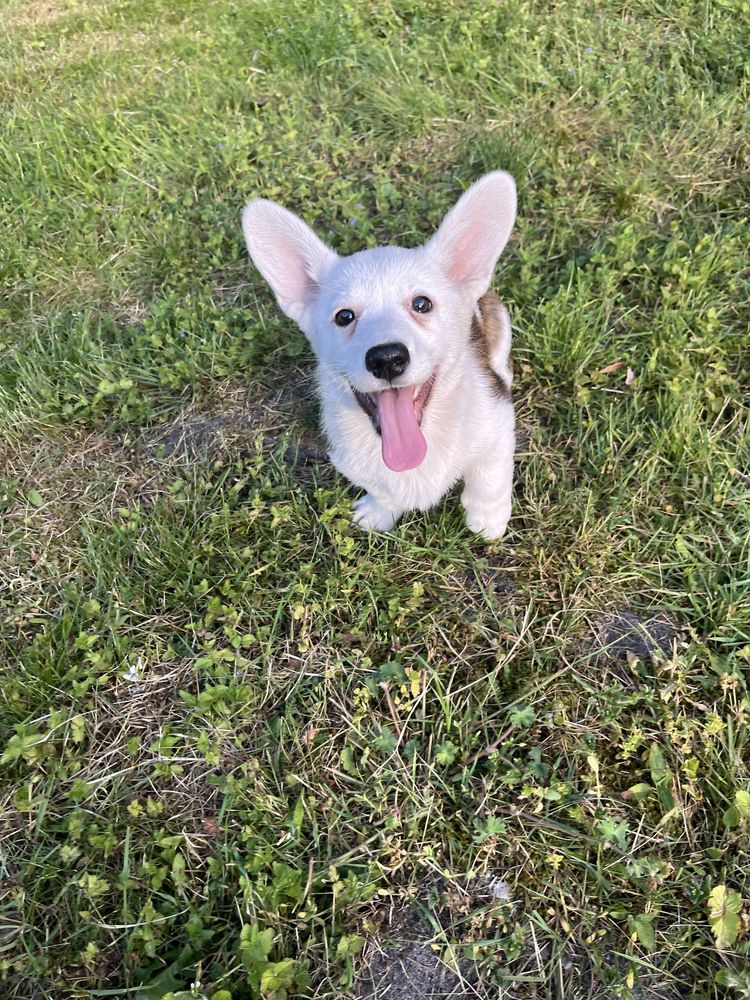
(625, 634)
(54, 486)
(492, 579)
(412, 957)
(274, 410)
(406, 966)
(29, 15)
(419, 952)
(193, 436)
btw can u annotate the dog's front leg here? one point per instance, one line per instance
(375, 514)
(488, 486)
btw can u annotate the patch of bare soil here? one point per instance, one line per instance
(29, 15)
(404, 965)
(410, 959)
(624, 634)
(57, 485)
(277, 410)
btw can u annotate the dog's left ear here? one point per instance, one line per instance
(473, 234)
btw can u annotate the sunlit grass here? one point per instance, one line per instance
(235, 731)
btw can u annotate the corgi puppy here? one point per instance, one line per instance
(413, 351)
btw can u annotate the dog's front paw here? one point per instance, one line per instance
(372, 515)
(488, 521)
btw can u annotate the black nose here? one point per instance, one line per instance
(387, 361)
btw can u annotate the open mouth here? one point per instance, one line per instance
(396, 415)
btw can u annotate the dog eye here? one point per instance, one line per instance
(343, 317)
(421, 304)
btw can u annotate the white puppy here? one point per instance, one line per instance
(413, 352)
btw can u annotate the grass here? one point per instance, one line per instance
(236, 732)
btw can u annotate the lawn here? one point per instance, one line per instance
(248, 751)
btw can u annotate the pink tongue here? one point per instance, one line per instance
(404, 445)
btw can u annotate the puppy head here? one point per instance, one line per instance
(393, 323)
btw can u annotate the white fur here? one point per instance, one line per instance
(470, 431)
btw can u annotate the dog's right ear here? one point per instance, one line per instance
(288, 254)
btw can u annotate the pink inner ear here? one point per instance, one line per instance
(475, 231)
(287, 253)
(469, 254)
(290, 270)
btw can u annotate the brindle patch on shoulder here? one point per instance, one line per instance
(486, 335)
